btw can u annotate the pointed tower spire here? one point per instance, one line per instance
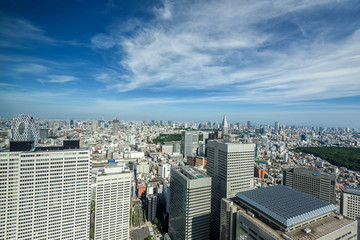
(225, 126)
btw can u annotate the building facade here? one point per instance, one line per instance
(350, 202)
(312, 181)
(231, 167)
(112, 203)
(45, 194)
(189, 143)
(164, 170)
(190, 204)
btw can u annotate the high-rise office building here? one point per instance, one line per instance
(115, 126)
(112, 203)
(152, 202)
(190, 204)
(45, 192)
(350, 202)
(231, 167)
(279, 212)
(248, 124)
(189, 143)
(277, 127)
(24, 129)
(312, 181)
(44, 133)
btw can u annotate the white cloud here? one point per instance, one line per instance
(33, 68)
(58, 79)
(102, 41)
(7, 85)
(164, 12)
(226, 47)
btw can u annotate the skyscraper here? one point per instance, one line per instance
(277, 127)
(231, 167)
(45, 192)
(190, 204)
(44, 133)
(112, 204)
(225, 127)
(248, 124)
(115, 126)
(312, 181)
(24, 129)
(189, 143)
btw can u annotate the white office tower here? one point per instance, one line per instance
(164, 170)
(231, 167)
(45, 192)
(112, 204)
(190, 204)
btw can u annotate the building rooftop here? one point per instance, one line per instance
(192, 173)
(349, 190)
(285, 205)
(318, 229)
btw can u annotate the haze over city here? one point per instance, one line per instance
(296, 62)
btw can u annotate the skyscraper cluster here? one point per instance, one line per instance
(54, 192)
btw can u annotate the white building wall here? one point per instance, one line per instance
(112, 206)
(45, 195)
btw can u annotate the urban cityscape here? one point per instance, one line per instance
(179, 120)
(113, 179)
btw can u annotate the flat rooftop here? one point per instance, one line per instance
(193, 173)
(285, 205)
(349, 190)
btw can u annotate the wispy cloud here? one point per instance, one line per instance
(237, 49)
(7, 85)
(33, 68)
(22, 28)
(58, 79)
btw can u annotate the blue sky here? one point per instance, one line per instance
(296, 62)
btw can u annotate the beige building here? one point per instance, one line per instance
(312, 181)
(112, 203)
(350, 202)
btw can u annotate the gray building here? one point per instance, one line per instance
(44, 133)
(280, 212)
(189, 143)
(231, 167)
(312, 181)
(190, 204)
(151, 207)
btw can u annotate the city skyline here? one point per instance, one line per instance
(294, 62)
